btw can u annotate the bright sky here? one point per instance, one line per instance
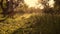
(51, 3)
(31, 3)
(36, 4)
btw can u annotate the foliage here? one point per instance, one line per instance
(46, 24)
(17, 22)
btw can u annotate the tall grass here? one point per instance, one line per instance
(45, 24)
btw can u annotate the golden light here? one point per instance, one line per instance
(33, 3)
(51, 3)
(37, 3)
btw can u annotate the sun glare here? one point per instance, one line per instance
(31, 3)
(36, 4)
(51, 3)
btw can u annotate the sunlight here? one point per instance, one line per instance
(33, 3)
(38, 4)
(51, 3)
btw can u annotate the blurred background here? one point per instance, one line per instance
(29, 16)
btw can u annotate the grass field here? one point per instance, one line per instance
(31, 24)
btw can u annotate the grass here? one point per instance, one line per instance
(33, 24)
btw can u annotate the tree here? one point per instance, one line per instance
(8, 7)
